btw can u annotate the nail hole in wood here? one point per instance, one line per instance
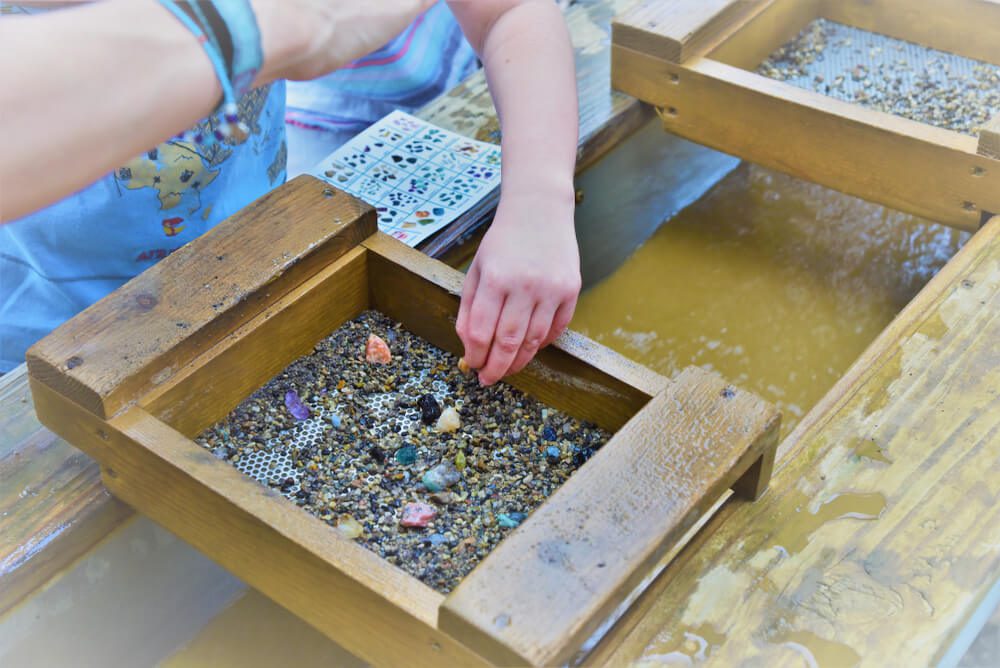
(969, 206)
(328, 193)
(978, 171)
(74, 362)
(675, 78)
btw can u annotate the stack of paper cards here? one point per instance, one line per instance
(418, 177)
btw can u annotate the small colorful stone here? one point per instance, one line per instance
(460, 461)
(295, 406)
(417, 515)
(552, 453)
(441, 477)
(406, 455)
(443, 498)
(430, 410)
(463, 366)
(377, 350)
(449, 421)
(349, 527)
(510, 520)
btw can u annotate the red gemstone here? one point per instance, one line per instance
(417, 515)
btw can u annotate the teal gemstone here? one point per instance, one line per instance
(406, 455)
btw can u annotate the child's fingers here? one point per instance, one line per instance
(484, 312)
(469, 286)
(561, 320)
(538, 328)
(507, 339)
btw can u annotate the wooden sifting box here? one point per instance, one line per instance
(691, 58)
(135, 377)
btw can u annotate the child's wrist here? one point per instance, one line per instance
(282, 38)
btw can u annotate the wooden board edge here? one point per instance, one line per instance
(771, 28)
(295, 558)
(640, 29)
(486, 605)
(989, 139)
(963, 27)
(338, 291)
(65, 358)
(625, 385)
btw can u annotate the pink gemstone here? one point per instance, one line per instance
(377, 350)
(417, 515)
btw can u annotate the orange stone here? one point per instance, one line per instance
(377, 350)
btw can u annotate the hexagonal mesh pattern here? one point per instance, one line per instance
(273, 462)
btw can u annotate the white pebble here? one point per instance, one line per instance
(448, 421)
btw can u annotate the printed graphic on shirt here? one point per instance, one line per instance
(175, 170)
(179, 171)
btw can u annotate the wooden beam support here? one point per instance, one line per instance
(539, 595)
(903, 164)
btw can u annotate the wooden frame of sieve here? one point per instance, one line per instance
(132, 379)
(690, 59)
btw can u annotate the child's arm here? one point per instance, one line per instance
(522, 287)
(84, 90)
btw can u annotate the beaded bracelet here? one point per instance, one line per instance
(228, 32)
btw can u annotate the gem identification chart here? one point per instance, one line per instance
(418, 177)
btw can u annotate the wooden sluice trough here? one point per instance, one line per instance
(132, 380)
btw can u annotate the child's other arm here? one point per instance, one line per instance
(522, 287)
(86, 89)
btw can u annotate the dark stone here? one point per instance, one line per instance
(430, 410)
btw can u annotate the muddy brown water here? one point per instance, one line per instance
(775, 283)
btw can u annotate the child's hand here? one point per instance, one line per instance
(522, 286)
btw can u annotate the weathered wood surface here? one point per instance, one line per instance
(371, 607)
(964, 27)
(876, 543)
(207, 390)
(543, 591)
(53, 508)
(140, 335)
(678, 30)
(904, 164)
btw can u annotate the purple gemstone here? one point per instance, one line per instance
(295, 406)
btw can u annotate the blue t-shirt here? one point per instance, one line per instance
(56, 262)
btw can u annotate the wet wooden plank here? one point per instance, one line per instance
(53, 508)
(876, 544)
(539, 595)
